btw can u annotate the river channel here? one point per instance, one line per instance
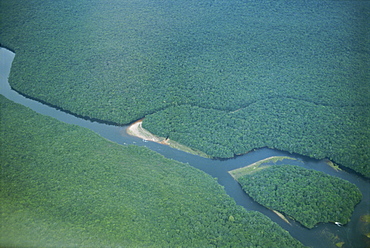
(323, 235)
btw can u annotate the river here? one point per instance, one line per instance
(323, 235)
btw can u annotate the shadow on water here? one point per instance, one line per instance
(323, 235)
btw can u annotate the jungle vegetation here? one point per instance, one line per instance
(290, 75)
(308, 196)
(282, 74)
(284, 124)
(65, 186)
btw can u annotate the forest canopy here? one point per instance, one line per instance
(65, 186)
(340, 134)
(122, 61)
(308, 196)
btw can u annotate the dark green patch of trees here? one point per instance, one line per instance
(341, 134)
(308, 196)
(121, 61)
(65, 186)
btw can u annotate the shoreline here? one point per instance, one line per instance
(136, 129)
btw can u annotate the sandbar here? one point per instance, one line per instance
(136, 129)
(251, 168)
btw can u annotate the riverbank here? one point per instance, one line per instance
(136, 129)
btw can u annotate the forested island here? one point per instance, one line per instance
(308, 196)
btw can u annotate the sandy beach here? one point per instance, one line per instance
(137, 130)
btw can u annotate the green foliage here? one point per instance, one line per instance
(65, 186)
(256, 80)
(256, 71)
(308, 196)
(340, 134)
(120, 61)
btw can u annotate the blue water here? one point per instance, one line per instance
(320, 236)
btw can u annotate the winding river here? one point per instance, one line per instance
(323, 235)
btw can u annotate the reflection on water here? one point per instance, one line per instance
(324, 235)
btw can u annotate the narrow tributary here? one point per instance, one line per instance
(323, 235)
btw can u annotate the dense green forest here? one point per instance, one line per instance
(65, 186)
(308, 196)
(122, 61)
(285, 124)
